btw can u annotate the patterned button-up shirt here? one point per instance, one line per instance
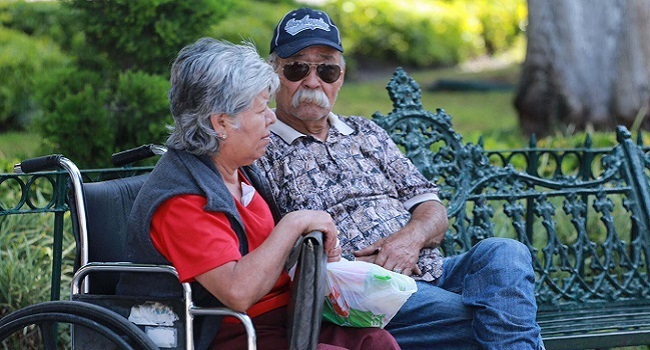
(358, 175)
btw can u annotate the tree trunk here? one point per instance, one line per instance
(587, 66)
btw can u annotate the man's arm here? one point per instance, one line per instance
(401, 250)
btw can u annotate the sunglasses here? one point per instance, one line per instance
(296, 71)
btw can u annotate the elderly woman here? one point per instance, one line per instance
(208, 213)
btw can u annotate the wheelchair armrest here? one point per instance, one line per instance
(89, 268)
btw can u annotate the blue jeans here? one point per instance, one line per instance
(485, 299)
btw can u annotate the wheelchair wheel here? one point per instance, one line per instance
(107, 323)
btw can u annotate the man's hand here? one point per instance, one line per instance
(399, 252)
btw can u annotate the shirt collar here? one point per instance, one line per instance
(289, 134)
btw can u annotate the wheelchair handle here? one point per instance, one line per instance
(32, 165)
(133, 155)
(57, 161)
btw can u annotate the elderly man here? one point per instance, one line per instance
(386, 211)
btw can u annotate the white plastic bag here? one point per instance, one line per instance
(361, 294)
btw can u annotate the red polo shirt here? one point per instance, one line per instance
(196, 241)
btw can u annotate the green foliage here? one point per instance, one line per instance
(111, 37)
(15, 146)
(25, 271)
(141, 110)
(146, 34)
(255, 23)
(115, 95)
(501, 22)
(426, 33)
(411, 32)
(22, 58)
(26, 253)
(597, 140)
(42, 18)
(88, 118)
(276, 2)
(22, 251)
(77, 120)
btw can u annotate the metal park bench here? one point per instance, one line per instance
(588, 230)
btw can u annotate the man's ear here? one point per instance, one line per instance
(219, 122)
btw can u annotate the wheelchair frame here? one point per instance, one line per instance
(80, 282)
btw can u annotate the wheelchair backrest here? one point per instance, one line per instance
(108, 205)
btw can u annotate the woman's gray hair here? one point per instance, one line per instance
(213, 77)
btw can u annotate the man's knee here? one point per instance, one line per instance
(513, 261)
(506, 249)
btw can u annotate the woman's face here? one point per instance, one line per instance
(246, 142)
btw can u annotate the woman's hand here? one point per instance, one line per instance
(306, 221)
(252, 276)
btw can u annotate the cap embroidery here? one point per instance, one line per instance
(295, 26)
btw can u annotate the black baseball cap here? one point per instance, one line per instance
(302, 28)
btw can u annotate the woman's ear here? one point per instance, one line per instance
(219, 122)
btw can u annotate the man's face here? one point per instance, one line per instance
(309, 98)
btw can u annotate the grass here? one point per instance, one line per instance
(471, 111)
(474, 113)
(17, 145)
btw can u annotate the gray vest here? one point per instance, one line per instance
(177, 173)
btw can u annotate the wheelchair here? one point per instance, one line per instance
(101, 319)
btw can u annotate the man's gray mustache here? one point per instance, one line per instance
(316, 97)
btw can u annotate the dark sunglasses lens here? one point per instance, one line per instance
(328, 73)
(295, 71)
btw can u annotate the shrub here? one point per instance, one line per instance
(501, 22)
(115, 95)
(88, 118)
(146, 34)
(76, 121)
(392, 32)
(140, 109)
(426, 33)
(22, 58)
(410, 32)
(41, 18)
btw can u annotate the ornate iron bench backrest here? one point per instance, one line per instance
(588, 237)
